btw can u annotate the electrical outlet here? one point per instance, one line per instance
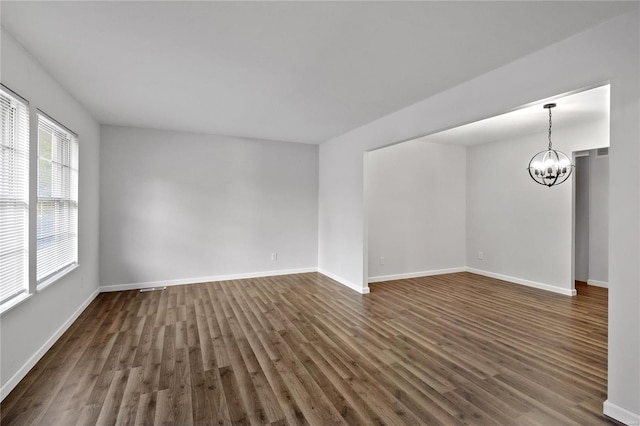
(382, 260)
(274, 256)
(480, 255)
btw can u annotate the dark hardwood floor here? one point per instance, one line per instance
(302, 349)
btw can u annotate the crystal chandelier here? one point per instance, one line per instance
(550, 167)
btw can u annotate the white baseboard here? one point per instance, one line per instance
(381, 278)
(515, 280)
(213, 278)
(359, 289)
(620, 414)
(597, 283)
(19, 375)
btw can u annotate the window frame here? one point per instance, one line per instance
(63, 270)
(27, 292)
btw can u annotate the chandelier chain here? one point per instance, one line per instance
(549, 128)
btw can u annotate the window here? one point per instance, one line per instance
(57, 225)
(14, 196)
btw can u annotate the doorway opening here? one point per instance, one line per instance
(462, 199)
(591, 218)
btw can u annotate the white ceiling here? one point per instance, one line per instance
(571, 110)
(292, 71)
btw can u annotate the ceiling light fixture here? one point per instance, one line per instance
(550, 167)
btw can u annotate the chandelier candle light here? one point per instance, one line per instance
(550, 167)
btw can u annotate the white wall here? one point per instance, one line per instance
(598, 219)
(607, 52)
(28, 329)
(415, 194)
(522, 228)
(581, 179)
(188, 206)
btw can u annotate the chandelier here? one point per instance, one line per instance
(550, 167)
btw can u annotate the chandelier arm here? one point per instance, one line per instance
(533, 177)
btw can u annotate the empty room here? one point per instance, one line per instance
(320, 213)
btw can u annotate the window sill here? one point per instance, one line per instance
(55, 277)
(10, 304)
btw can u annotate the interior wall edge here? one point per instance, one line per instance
(353, 286)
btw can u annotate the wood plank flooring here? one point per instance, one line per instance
(302, 349)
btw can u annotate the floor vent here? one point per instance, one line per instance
(144, 290)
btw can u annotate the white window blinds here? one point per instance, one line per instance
(57, 226)
(14, 196)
